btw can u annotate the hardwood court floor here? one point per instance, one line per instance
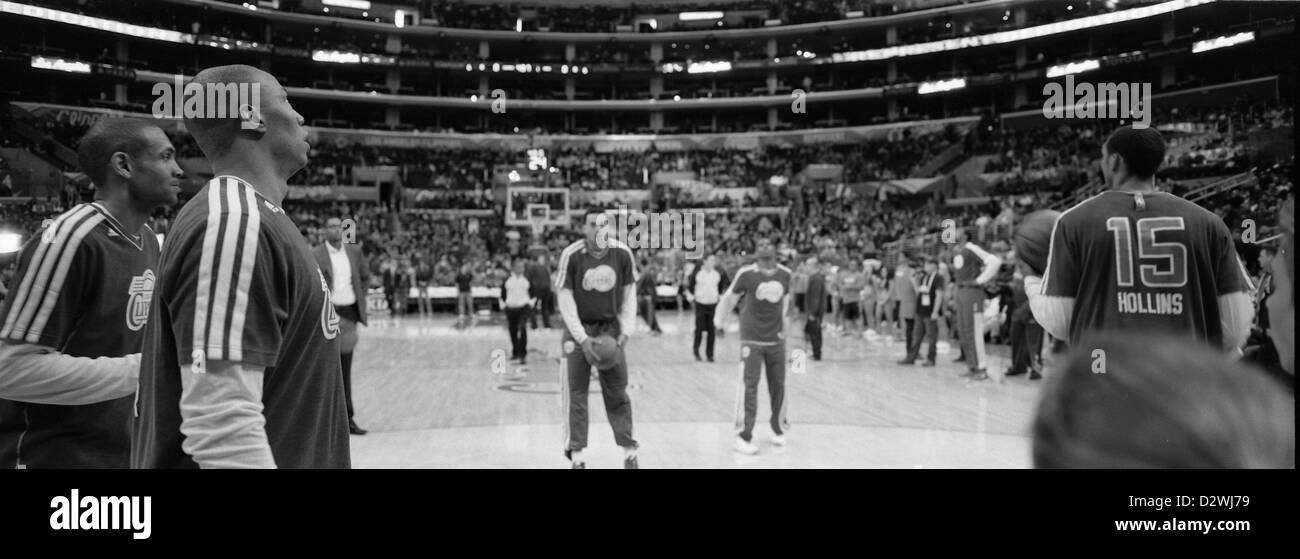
(431, 399)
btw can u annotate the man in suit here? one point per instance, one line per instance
(815, 306)
(903, 293)
(346, 273)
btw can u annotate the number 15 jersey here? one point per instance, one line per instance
(1145, 261)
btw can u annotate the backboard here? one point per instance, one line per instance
(537, 207)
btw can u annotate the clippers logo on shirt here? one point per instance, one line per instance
(601, 278)
(329, 319)
(770, 291)
(139, 294)
(958, 261)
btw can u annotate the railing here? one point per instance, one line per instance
(1219, 187)
(934, 166)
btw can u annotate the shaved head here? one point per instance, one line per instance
(215, 136)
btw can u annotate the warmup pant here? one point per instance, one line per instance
(575, 379)
(545, 300)
(925, 329)
(704, 328)
(970, 325)
(753, 359)
(516, 322)
(813, 331)
(1026, 345)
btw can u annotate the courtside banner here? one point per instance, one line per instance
(307, 510)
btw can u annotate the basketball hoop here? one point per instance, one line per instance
(537, 216)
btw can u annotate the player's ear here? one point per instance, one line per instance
(120, 164)
(251, 118)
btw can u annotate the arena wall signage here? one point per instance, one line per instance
(608, 143)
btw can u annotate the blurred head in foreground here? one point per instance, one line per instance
(1281, 303)
(1155, 402)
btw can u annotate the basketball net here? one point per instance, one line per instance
(539, 226)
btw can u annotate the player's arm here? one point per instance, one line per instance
(40, 375)
(1236, 304)
(221, 416)
(627, 304)
(223, 366)
(991, 263)
(564, 301)
(31, 368)
(569, 312)
(1051, 297)
(728, 302)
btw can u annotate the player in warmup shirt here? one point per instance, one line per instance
(241, 361)
(597, 295)
(1134, 258)
(71, 330)
(764, 288)
(972, 267)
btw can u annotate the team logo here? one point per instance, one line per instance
(329, 320)
(957, 261)
(770, 291)
(568, 347)
(601, 278)
(744, 352)
(139, 294)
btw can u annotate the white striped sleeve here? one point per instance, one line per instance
(237, 308)
(562, 269)
(45, 306)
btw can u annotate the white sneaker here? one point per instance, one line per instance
(745, 447)
(778, 440)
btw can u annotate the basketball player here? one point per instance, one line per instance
(972, 267)
(241, 358)
(765, 289)
(1134, 258)
(597, 296)
(70, 334)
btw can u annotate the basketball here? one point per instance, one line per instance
(606, 350)
(1034, 237)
